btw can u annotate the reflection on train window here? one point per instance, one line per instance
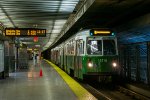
(109, 47)
(72, 48)
(94, 47)
(80, 47)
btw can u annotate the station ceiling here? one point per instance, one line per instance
(125, 17)
(45, 14)
(52, 15)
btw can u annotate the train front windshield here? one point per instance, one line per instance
(95, 47)
(109, 47)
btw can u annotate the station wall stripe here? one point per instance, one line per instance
(80, 92)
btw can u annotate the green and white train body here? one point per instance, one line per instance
(88, 53)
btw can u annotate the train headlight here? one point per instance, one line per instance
(114, 64)
(90, 64)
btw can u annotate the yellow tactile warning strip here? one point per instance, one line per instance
(80, 92)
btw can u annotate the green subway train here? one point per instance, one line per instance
(89, 54)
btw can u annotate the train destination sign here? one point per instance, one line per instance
(25, 32)
(100, 32)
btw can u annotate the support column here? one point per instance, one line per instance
(137, 63)
(148, 63)
(16, 55)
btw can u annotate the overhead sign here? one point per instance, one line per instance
(25, 32)
(101, 32)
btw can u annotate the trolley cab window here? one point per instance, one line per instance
(94, 47)
(109, 47)
(99, 46)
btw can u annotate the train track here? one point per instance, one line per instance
(99, 95)
(132, 93)
(119, 93)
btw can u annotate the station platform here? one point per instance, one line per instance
(42, 81)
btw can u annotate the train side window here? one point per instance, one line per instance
(72, 48)
(66, 50)
(80, 47)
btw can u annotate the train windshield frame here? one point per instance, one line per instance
(101, 46)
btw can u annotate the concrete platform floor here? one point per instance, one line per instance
(29, 85)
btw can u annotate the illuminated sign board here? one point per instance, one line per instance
(100, 32)
(25, 32)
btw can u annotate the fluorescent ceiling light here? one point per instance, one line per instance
(66, 9)
(56, 31)
(68, 6)
(54, 35)
(60, 21)
(58, 27)
(3, 17)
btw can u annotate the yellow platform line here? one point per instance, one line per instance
(79, 91)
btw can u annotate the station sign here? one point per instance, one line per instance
(25, 32)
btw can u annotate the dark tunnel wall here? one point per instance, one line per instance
(137, 30)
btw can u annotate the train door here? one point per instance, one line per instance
(78, 58)
(63, 57)
(76, 62)
(2, 59)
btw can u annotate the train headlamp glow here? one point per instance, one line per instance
(114, 64)
(90, 64)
